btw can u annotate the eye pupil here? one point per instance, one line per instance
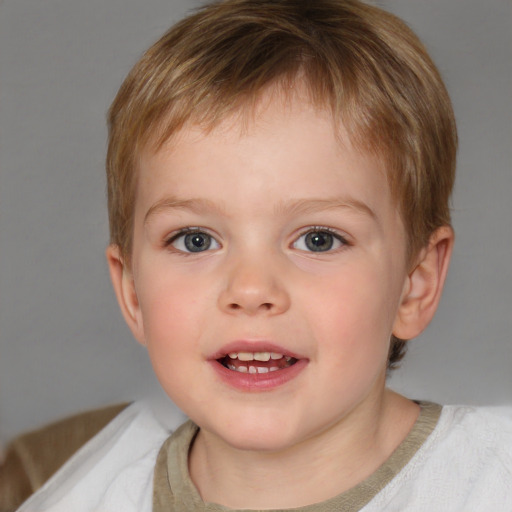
(197, 242)
(319, 241)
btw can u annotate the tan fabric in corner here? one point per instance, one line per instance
(32, 458)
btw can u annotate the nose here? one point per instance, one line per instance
(254, 286)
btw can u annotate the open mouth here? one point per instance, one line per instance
(256, 362)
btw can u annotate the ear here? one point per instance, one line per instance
(124, 287)
(424, 285)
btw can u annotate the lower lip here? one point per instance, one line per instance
(258, 381)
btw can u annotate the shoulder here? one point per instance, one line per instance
(482, 431)
(114, 470)
(465, 464)
(33, 457)
(473, 449)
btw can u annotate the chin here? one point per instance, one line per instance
(256, 435)
(263, 443)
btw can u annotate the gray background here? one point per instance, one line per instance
(63, 344)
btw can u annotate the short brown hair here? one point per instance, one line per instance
(362, 63)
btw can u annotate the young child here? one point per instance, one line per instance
(279, 175)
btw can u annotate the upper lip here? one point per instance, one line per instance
(253, 346)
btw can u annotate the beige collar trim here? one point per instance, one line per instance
(174, 491)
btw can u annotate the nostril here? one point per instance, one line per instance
(267, 306)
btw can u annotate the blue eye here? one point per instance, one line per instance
(319, 240)
(193, 241)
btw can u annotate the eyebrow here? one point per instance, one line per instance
(196, 205)
(293, 207)
(303, 206)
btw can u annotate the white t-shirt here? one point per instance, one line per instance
(465, 465)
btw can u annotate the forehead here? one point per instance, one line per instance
(284, 102)
(286, 95)
(287, 147)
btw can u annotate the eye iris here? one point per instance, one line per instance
(197, 242)
(319, 241)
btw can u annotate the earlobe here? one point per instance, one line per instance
(424, 285)
(124, 287)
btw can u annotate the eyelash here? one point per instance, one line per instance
(324, 229)
(168, 242)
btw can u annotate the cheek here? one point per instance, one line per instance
(169, 306)
(172, 331)
(342, 313)
(169, 296)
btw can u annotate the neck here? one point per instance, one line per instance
(352, 449)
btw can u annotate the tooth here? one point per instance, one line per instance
(274, 355)
(273, 369)
(262, 369)
(232, 367)
(245, 356)
(233, 355)
(242, 369)
(288, 359)
(261, 356)
(252, 369)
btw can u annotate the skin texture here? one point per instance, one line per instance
(257, 188)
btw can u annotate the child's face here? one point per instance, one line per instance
(274, 239)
